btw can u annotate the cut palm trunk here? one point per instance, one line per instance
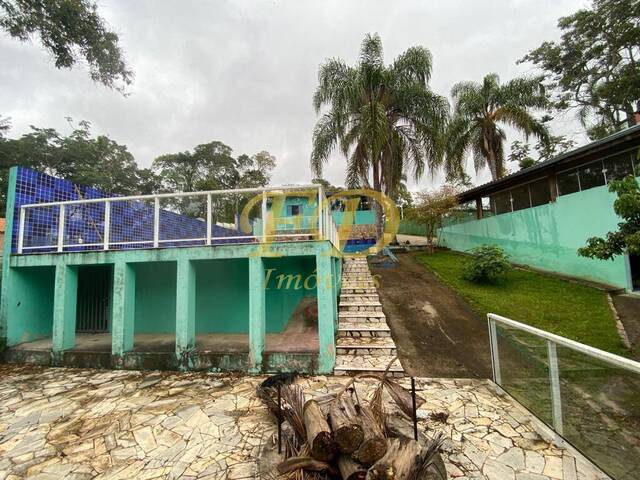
(398, 461)
(345, 423)
(350, 469)
(374, 445)
(319, 436)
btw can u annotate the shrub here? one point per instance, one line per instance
(489, 264)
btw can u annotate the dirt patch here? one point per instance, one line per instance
(436, 332)
(628, 308)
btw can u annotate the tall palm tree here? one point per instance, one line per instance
(480, 112)
(384, 118)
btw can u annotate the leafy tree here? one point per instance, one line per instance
(5, 126)
(383, 118)
(595, 66)
(488, 264)
(71, 31)
(480, 111)
(552, 147)
(431, 207)
(627, 237)
(98, 162)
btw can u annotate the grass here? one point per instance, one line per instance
(565, 308)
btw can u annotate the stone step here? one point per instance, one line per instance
(359, 291)
(367, 284)
(365, 346)
(356, 297)
(355, 364)
(363, 329)
(359, 314)
(360, 309)
(353, 302)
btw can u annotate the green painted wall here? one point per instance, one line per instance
(155, 306)
(548, 236)
(289, 279)
(362, 217)
(30, 304)
(407, 227)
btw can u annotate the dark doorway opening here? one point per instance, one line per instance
(94, 299)
(634, 262)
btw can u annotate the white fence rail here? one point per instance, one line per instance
(154, 221)
(575, 388)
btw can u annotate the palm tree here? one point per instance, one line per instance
(384, 119)
(480, 111)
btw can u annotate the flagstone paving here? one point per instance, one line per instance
(79, 424)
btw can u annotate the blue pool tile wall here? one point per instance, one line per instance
(131, 221)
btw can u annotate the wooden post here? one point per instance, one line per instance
(553, 187)
(479, 208)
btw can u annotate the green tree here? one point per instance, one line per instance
(430, 208)
(595, 66)
(98, 162)
(71, 31)
(546, 150)
(480, 112)
(383, 118)
(627, 238)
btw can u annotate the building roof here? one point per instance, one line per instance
(608, 145)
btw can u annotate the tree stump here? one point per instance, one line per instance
(319, 436)
(350, 469)
(398, 461)
(374, 445)
(345, 423)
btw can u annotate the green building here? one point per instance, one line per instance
(541, 215)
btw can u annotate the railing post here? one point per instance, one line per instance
(495, 355)
(320, 212)
(264, 216)
(21, 230)
(554, 380)
(61, 228)
(208, 241)
(156, 222)
(107, 226)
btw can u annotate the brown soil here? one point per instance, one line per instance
(436, 332)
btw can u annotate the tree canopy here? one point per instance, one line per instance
(481, 110)
(383, 118)
(71, 31)
(595, 66)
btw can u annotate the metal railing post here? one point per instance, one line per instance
(495, 355)
(264, 216)
(107, 226)
(208, 241)
(554, 380)
(21, 229)
(61, 228)
(156, 222)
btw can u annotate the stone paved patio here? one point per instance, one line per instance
(76, 424)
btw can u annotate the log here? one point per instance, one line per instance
(397, 462)
(374, 445)
(319, 436)
(350, 469)
(345, 423)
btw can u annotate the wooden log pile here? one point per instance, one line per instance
(342, 437)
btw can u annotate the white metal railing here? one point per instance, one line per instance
(571, 366)
(140, 221)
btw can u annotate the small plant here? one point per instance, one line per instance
(489, 264)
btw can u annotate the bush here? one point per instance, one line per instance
(489, 264)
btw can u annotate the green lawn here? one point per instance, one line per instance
(558, 306)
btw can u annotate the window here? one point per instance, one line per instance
(540, 192)
(487, 207)
(520, 196)
(591, 175)
(503, 202)
(618, 166)
(568, 182)
(293, 210)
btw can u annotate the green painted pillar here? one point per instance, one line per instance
(64, 307)
(257, 313)
(185, 308)
(6, 270)
(123, 310)
(334, 285)
(326, 309)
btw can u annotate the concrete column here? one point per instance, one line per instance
(326, 309)
(334, 286)
(124, 302)
(257, 312)
(64, 307)
(185, 307)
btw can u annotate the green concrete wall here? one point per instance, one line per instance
(548, 236)
(155, 306)
(30, 304)
(361, 217)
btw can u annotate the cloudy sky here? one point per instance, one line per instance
(243, 72)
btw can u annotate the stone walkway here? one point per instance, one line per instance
(80, 424)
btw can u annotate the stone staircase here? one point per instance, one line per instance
(364, 343)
